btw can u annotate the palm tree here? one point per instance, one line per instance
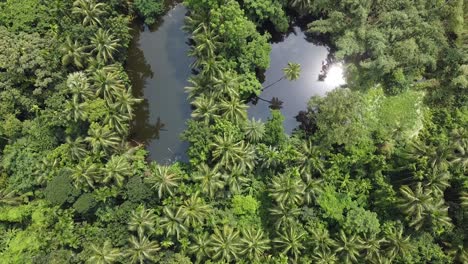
(194, 210)
(285, 215)
(173, 222)
(310, 159)
(226, 149)
(116, 120)
(464, 199)
(141, 249)
(86, 172)
(76, 148)
(225, 244)
(75, 109)
(195, 21)
(372, 245)
(124, 101)
(227, 85)
(211, 67)
(320, 239)
(198, 85)
(73, 53)
(8, 197)
(286, 188)
(104, 44)
(415, 203)
(254, 130)
(163, 179)
(206, 41)
(324, 256)
(396, 243)
(348, 248)
(437, 156)
(438, 181)
(291, 73)
(78, 85)
(460, 148)
(254, 243)
(290, 241)
(234, 110)
(200, 246)
(437, 213)
(105, 254)
(142, 220)
(205, 108)
(117, 169)
(235, 179)
(101, 138)
(209, 178)
(303, 6)
(90, 10)
(312, 189)
(107, 83)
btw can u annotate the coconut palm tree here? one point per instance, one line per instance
(437, 214)
(105, 44)
(224, 244)
(73, 53)
(209, 179)
(107, 83)
(320, 239)
(117, 169)
(75, 109)
(226, 149)
(101, 138)
(76, 148)
(206, 41)
(415, 203)
(372, 246)
(324, 256)
(291, 73)
(78, 85)
(464, 199)
(85, 173)
(105, 254)
(141, 249)
(235, 179)
(125, 101)
(438, 181)
(163, 179)
(286, 188)
(303, 6)
(9, 197)
(198, 85)
(195, 21)
(89, 10)
(289, 241)
(173, 222)
(348, 248)
(116, 120)
(200, 246)
(253, 243)
(310, 159)
(396, 243)
(206, 108)
(312, 189)
(234, 110)
(142, 220)
(227, 85)
(194, 210)
(460, 148)
(254, 130)
(210, 67)
(284, 215)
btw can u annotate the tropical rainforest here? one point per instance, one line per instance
(376, 172)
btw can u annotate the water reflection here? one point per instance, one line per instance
(313, 56)
(161, 117)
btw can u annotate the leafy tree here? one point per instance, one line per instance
(149, 10)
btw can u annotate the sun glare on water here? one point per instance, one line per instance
(335, 75)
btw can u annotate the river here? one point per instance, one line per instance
(159, 67)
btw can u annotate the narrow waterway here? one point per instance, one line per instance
(159, 67)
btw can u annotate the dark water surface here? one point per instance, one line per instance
(296, 47)
(159, 67)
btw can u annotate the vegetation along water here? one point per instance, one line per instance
(228, 131)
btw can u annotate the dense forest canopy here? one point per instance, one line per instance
(376, 172)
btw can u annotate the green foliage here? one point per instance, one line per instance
(274, 130)
(244, 205)
(85, 203)
(149, 9)
(60, 190)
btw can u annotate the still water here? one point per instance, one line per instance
(296, 47)
(159, 67)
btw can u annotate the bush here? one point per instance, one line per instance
(85, 203)
(149, 10)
